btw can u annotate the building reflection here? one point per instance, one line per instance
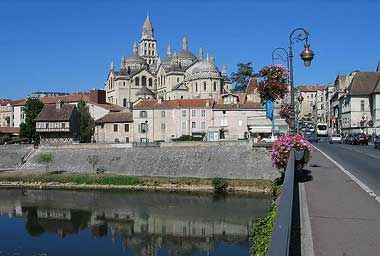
(145, 224)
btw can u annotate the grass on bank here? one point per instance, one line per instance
(261, 233)
(112, 179)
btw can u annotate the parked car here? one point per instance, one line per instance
(335, 138)
(270, 139)
(377, 142)
(360, 139)
(312, 137)
(348, 139)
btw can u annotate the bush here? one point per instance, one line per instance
(262, 233)
(220, 185)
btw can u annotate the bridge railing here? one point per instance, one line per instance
(280, 242)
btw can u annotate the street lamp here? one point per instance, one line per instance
(307, 56)
(276, 55)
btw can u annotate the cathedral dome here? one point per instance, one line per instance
(135, 61)
(203, 69)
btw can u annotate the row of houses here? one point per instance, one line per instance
(350, 104)
(233, 116)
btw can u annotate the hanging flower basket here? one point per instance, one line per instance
(285, 113)
(281, 150)
(274, 85)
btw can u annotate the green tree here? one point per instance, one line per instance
(45, 158)
(242, 76)
(87, 123)
(32, 108)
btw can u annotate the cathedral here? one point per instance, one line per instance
(180, 75)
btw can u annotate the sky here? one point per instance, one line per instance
(68, 45)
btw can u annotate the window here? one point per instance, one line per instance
(163, 127)
(162, 113)
(150, 82)
(204, 86)
(115, 127)
(183, 113)
(126, 127)
(47, 125)
(214, 86)
(143, 127)
(196, 87)
(124, 102)
(143, 114)
(126, 139)
(63, 125)
(203, 112)
(102, 126)
(181, 97)
(177, 79)
(362, 105)
(312, 96)
(183, 125)
(143, 80)
(193, 125)
(193, 112)
(137, 81)
(203, 125)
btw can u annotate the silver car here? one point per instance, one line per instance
(335, 138)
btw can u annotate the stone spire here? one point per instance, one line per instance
(212, 59)
(169, 51)
(200, 54)
(112, 66)
(184, 43)
(135, 49)
(147, 32)
(122, 63)
(224, 70)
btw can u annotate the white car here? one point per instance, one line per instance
(271, 139)
(335, 138)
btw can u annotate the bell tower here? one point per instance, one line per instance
(148, 45)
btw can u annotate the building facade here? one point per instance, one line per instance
(58, 123)
(180, 75)
(116, 127)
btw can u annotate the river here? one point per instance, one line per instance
(55, 222)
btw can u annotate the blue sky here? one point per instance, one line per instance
(50, 45)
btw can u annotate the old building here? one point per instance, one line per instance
(180, 75)
(312, 106)
(359, 103)
(58, 123)
(164, 120)
(115, 127)
(6, 113)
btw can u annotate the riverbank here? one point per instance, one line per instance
(79, 181)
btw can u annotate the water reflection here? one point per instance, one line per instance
(137, 223)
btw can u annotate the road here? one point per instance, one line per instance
(361, 161)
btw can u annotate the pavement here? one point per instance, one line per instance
(338, 197)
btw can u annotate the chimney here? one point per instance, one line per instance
(59, 104)
(98, 96)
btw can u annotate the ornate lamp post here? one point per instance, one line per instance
(276, 55)
(307, 55)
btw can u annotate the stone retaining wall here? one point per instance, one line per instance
(228, 160)
(11, 155)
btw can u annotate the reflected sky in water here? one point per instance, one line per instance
(42, 222)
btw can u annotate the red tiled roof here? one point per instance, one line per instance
(9, 130)
(116, 117)
(67, 98)
(169, 104)
(310, 88)
(245, 106)
(20, 102)
(108, 106)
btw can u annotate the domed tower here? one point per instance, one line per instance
(148, 45)
(135, 61)
(186, 57)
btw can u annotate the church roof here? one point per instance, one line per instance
(170, 104)
(144, 91)
(147, 23)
